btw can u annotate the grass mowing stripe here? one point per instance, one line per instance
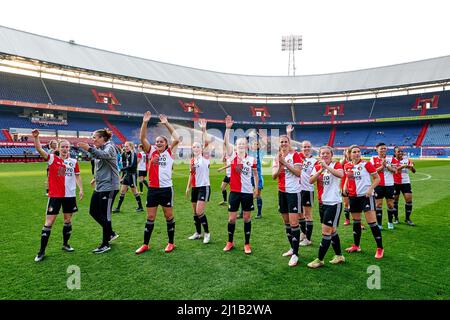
(412, 267)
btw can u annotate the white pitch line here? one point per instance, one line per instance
(428, 177)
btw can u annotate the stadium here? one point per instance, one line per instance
(68, 91)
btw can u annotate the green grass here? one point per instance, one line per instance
(415, 264)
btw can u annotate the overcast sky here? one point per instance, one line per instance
(244, 36)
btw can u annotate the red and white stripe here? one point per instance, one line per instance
(287, 181)
(328, 185)
(402, 177)
(241, 173)
(199, 172)
(160, 167)
(359, 177)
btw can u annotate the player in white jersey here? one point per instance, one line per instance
(242, 191)
(226, 179)
(328, 175)
(362, 178)
(306, 190)
(402, 184)
(64, 177)
(160, 190)
(52, 148)
(142, 168)
(386, 166)
(287, 167)
(199, 183)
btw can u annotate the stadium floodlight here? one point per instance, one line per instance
(291, 43)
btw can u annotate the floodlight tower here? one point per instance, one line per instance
(291, 43)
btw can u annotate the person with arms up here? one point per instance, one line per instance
(287, 167)
(242, 191)
(160, 192)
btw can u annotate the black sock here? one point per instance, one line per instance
(107, 232)
(408, 210)
(376, 234)
(149, 225)
(141, 186)
(287, 226)
(324, 245)
(67, 230)
(390, 214)
(396, 210)
(46, 191)
(171, 230)
(357, 232)
(347, 213)
(138, 200)
(198, 225)
(259, 205)
(309, 229)
(247, 230)
(295, 239)
(45, 235)
(336, 243)
(121, 197)
(145, 182)
(380, 216)
(231, 227)
(204, 222)
(224, 195)
(302, 223)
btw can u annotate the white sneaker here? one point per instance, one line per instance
(288, 253)
(302, 236)
(305, 243)
(390, 226)
(195, 236)
(207, 237)
(293, 261)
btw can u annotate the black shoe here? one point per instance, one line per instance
(101, 249)
(39, 256)
(140, 209)
(410, 223)
(116, 210)
(67, 247)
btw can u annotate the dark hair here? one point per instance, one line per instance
(166, 140)
(105, 133)
(379, 144)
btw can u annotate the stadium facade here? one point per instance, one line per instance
(67, 90)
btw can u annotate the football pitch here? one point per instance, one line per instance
(415, 265)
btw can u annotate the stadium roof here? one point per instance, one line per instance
(67, 54)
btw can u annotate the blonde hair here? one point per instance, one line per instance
(62, 141)
(131, 144)
(326, 147)
(287, 137)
